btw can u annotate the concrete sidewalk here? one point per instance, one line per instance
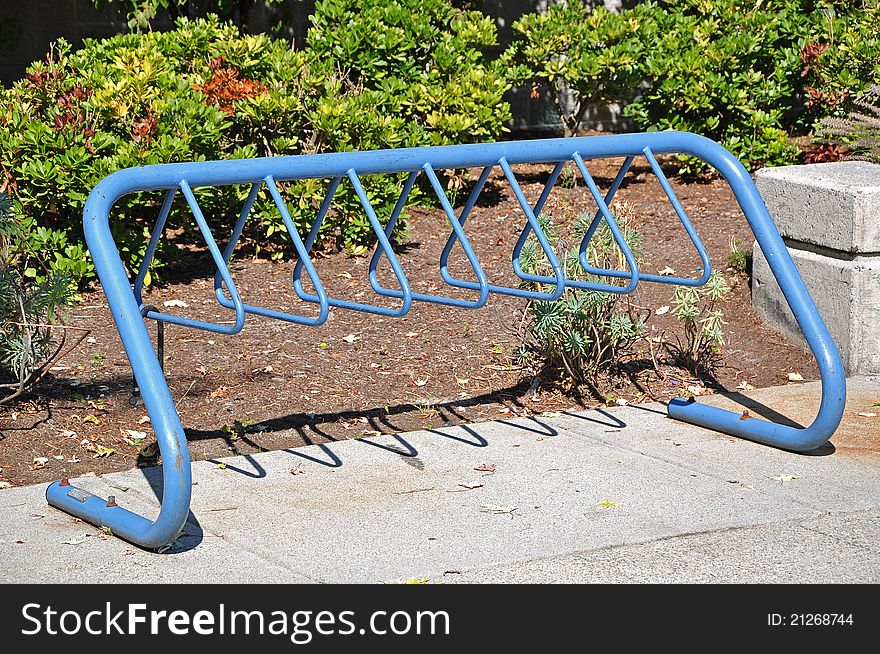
(623, 495)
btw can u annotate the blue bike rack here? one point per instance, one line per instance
(129, 311)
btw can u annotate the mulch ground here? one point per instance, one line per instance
(278, 385)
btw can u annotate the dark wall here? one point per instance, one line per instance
(28, 27)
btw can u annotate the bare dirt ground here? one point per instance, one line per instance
(277, 385)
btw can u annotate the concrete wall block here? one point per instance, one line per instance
(847, 294)
(833, 205)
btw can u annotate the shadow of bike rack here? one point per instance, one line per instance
(129, 311)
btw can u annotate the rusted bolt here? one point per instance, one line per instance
(64, 482)
(111, 501)
(745, 415)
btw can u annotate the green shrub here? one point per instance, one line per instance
(204, 91)
(584, 332)
(33, 297)
(843, 58)
(859, 130)
(730, 70)
(699, 348)
(422, 63)
(736, 71)
(594, 54)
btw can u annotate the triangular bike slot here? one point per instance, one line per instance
(389, 230)
(496, 288)
(303, 256)
(458, 235)
(532, 221)
(233, 241)
(150, 252)
(216, 255)
(527, 229)
(705, 261)
(384, 244)
(606, 215)
(312, 237)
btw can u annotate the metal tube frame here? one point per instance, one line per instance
(126, 305)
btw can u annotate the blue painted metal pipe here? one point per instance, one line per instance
(125, 302)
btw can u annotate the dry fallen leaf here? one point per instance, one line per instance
(175, 303)
(795, 376)
(411, 334)
(696, 390)
(485, 467)
(661, 310)
(73, 541)
(868, 414)
(143, 420)
(667, 271)
(421, 382)
(99, 451)
(39, 462)
(494, 508)
(92, 419)
(605, 504)
(5, 484)
(745, 386)
(784, 478)
(351, 338)
(297, 470)
(471, 485)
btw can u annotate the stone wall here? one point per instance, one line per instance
(829, 216)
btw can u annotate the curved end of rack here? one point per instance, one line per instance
(106, 514)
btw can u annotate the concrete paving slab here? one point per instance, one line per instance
(795, 551)
(385, 518)
(39, 544)
(841, 478)
(569, 493)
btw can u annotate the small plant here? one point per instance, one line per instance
(739, 259)
(32, 304)
(237, 429)
(859, 130)
(585, 331)
(699, 351)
